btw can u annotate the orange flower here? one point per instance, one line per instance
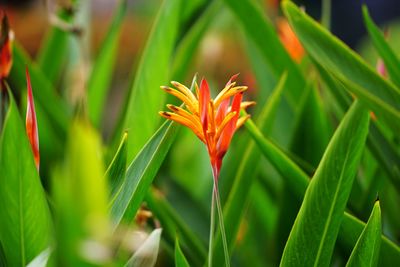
(214, 121)
(6, 39)
(289, 40)
(31, 123)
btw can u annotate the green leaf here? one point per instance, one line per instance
(390, 58)
(351, 227)
(187, 47)
(383, 150)
(366, 251)
(180, 260)
(44, 92)
(239, 195)
(146, 98)
(85, 170)
(311, 133)
(117, 169)
(350, 231)
(53, 52)
(141, 173)
(146, 255)
(173, 223)
(25, 225)
(101, 74)
(265, 37)
(318, 221)
(380, 95)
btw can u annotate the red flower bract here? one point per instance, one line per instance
(31, 122)
(214, 121)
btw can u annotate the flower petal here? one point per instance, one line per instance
(227, 133)
(204, 100)
(188, 102)
(232, 79)
(222, 110)
(31, 123)
(184, 121)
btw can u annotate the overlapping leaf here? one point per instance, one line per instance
(25, 225)
(380, 95)
(145, 100)
(366, 251)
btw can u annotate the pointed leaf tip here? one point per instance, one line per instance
(31, 122)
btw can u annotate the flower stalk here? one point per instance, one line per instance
(214, 121)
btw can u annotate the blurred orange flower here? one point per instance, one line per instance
(6, 39)
(214, 121)
(289, 40)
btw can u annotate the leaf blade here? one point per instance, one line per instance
(180, 259)
(101, 74)
(390, 59)
(141, 172)
(333, 179)
(145, 99)
(369, 241)
(380, 95)
(25, 224)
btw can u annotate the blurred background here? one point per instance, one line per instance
(220, 54)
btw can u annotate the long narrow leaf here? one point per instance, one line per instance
(315, 235)
(380, 95)
(173, 223)
(141, 117)
(141, 173)
(53, 52)
(265, 37)
(117, 169)
(351, 227)
(366, 251)
(100, 77)
(44, 92)
(180, 260)
(390, 59)
(25, 225)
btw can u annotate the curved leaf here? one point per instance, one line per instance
(366, 251)
(145, 100)
(351, 227)
(141, 173)
(379, 94)
(390, 59)
(180, 260)
(117, 169)
(101, 74)
(314, 232)
(265, 37)
(25, 225)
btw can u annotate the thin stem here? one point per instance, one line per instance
(215, 171)
(212, 223)
(326, 14)
(221, 225)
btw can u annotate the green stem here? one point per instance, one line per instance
(212, 223)
(326, 14)
(221, 224)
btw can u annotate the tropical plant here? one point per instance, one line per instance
(309, 180)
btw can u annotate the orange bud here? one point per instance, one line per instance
(289, 40)
(6, 39)
(31, 122)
